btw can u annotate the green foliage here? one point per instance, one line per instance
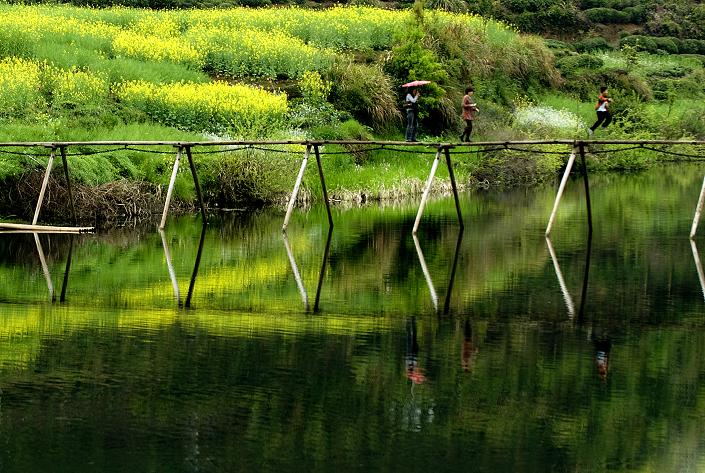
(607, 16)
(596, 43)
(366, 92)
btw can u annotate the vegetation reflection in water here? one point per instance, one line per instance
(532, 367)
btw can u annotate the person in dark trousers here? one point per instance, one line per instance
(604, 117)
(469, 109)
(412, 113)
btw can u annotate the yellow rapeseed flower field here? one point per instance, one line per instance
(217, 107)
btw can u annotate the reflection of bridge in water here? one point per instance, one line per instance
(439, 150)
(574, 310)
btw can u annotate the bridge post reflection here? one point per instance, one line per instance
(427, 274)
(570, 305)
(698, 265)
(172, 271)
(297, 274)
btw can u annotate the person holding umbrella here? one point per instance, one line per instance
(412, 113)
(412, 108)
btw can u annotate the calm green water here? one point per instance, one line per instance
(365, 351)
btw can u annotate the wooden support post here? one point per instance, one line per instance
(323, 185)
(698, 211)
(196, 183)
(68, 183)
(45, 183)
(295, 192)
(453, 185)
(426, 274)
(427, 190)
(170, 190)
(322, 274)
(587, 185)
(196, 265)
(561, 187)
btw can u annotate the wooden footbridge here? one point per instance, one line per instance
(573, 148)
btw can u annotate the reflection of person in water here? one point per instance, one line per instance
(468, 351)
(413, 372)
(602, 356)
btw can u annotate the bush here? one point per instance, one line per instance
(639, 43)
(692, 46)
(607, 16)
(572, 64)
(597, 43)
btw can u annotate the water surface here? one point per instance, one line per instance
(235, 348)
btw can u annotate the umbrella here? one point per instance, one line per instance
(415, 83)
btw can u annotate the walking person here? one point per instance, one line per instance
(412, 113)
(604, 117)
(469, 109)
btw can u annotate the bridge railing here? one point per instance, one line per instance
(439, 149)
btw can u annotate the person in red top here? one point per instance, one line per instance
(469, 109)
(604, 117)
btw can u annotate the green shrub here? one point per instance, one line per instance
(557, 45)
(607, 16)
(692, 46)
(639, 42)
(569, 65)
(596, 43)
(637, 14)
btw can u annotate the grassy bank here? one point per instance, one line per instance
(69, 73)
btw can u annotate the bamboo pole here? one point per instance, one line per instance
(454, 186)
(45, 267)
(568, 168)
(68, 183)
(586, 278)
(698, 265)
(196, 183)
(295, 192)
(323, 185)
(561, 281)
(322, 273)
(170, 190)
(196, 265)
(295, 269)
(427, 190)
(170, 267)
(54, 144)
(426, 274)
(45, 183)
(25, 228)
(65, 282)
(446, 304)
(698, 211)
(587, 185)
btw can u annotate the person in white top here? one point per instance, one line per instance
(604, 117)
(412, 113)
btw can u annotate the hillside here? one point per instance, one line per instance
(75, 73)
